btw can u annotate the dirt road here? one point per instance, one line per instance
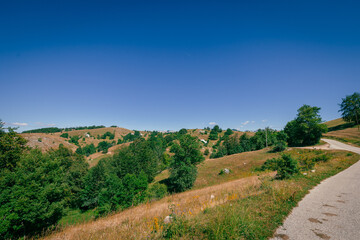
(331, 210)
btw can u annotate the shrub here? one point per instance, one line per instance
(321, 158)
(270, 164)
(39, 139)
(156, 191)
(182, 178)
(287, 166)
(64, 135)
(206, 152)
(279, 146)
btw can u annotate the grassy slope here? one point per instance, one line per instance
(242, 208)
(344, 132)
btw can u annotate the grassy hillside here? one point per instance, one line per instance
(338, 124)
(47, 141)
(249, 207)
(343, 131)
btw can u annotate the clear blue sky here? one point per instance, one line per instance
(172, 64)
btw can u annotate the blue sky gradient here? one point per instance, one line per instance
(159, 65)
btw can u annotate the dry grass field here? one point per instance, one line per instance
(348, 135)
(209, 207)
(335, 122)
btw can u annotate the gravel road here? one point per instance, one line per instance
(331, 210)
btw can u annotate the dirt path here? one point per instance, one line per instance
(331, 210)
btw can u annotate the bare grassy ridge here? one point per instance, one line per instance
(348, 135)
(335, 122)
(247, 208)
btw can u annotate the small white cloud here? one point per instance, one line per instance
(252, 121)
(18, 124)
(264, 120)
(212, 123)
(244, 123)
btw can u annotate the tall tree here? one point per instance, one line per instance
(350, 108)
(306, 128)
(183, 169)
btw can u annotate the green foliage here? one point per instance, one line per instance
(87, 150)
(44, 130)
(229, 132)
(103, 146)
(350, 108)
(183, 171)
(11, 147)
(306, 129)
(74, 140)
(182, 177)
(287, 166)
(130, 137)
(39, 139)
(65, 135)
(34, 194)
(108, 134)
(206, 152)
(270, 164)
(279, 146)
(214, 132)
(183, 131)
(156, 191)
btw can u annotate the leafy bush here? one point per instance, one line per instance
(206, 152)
(270, 164)
(74, 140)
(108, 134)
(65, 135)
(103, 146)
(279, 146)
(182, 178)
(287, 166)
(156, 191)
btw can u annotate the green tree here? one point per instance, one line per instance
(11, 147)
(229, 132)
(350, 108)
(183, 169)
(306, 129)
(183, 131)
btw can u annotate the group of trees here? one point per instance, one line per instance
(107, 134)
(214, 133)
(232, 143)
(130, 137)
(36, 187)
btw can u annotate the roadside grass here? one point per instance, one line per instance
(350, 136)
(258, 215)
(247, 208)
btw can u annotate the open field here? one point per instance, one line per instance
(249, 207)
